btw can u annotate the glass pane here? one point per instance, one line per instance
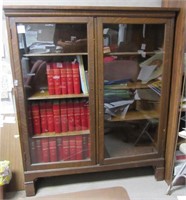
(133, 65)
(54, 70)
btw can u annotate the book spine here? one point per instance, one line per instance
(89, 146)
(57, 118)
(53, 149)
(38, 150)
(50, 116)
(70, 87)
(33, 152)
(50, 74)
(72, 147)
(64, 79)
(84, 121)
(77, 115)
(65, 146)
(85, 146)
(57, 79)
(79, 147)
(45, 150)
(82, 75)
(70, 115)
(76, 77)
(64, 119)
(59, 148)
(43, 114)
(36, 118)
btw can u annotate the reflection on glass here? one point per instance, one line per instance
(133, 66)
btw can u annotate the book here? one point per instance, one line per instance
(36, 118)
(59, 148)
(72, 148)
(156, 86)
(33, 152)
(53, 149)
(84, 146)
(82, 75)
(70, 115)
(45, 150)
(38, 150)
(43, 114)
(84, 117)
(70, 84)
(57, 78)
(79, 147)
(65, 147)
(50, 116)
(50, 80)
(76, 77)
(57, 116)
(77, 115)
(64, 78)
(64, 119)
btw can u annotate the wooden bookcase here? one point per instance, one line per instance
(126, 52)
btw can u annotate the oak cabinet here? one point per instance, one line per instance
(92, 87)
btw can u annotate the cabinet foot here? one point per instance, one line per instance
(159, 173)
(30, 188)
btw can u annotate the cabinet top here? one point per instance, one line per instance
(88, 11)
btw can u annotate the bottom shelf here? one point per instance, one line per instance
(60, 149)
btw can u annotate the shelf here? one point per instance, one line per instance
(44, 96)
(130, 53)
(62, 134)
(53, 54)
(136, 115)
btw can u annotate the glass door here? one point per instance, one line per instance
(57, 105)
(134, 88)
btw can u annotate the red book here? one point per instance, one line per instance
(59, 148)
(65, 146)
(43, 114)
(30, 120)
(50, 74)
(77, 115)
(85, 146)
(72, 148)
(70, 115)
(76, 78)
(63, 109)
(84, 121)
(57, 117)
(70, 87)
(50, 116)
(36, 118)
(57, 78)
(45, 150)
(38, 150)
(33, 152)
(53, 149)
(79, 147)
(89, 147)
(64, 78)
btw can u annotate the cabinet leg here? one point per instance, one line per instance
(159, 173)
(30, 188)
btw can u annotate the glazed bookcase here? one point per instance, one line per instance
(92, 87)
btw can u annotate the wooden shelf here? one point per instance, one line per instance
(62, 134)
(136, 115)
(44, 95)
(53, 54)
(130, 53)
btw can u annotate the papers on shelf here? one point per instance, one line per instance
(151, 68)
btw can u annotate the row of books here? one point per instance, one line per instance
(67, 77)
(60, 149)
(59, 116)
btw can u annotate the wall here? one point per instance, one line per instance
(146, 3)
